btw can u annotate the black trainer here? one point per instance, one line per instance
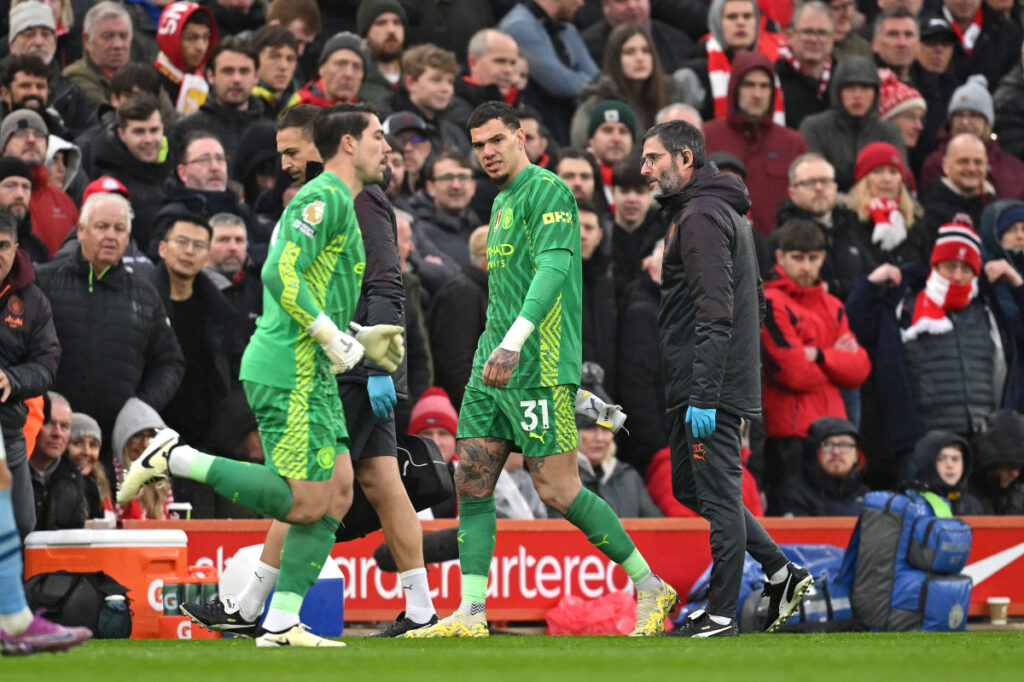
(699, 624)
(402, 625)
(221, 615)
(785, 596)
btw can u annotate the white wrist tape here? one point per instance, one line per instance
(517, 334)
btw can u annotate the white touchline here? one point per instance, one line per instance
(989, 566)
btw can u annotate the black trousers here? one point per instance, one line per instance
(707, 477)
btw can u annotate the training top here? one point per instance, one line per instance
(315, 265)
(535, 213)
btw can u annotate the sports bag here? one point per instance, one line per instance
(939, 545)
(92, 600)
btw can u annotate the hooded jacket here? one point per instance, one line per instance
(764, 147)
(54, 214)
(711, 297)
(187, 89)
(72, 158)
(620, 486)
(798, 391)
(921, 467)
(1000, 444)
(813, 492)
(838, 135)
(1007, 301)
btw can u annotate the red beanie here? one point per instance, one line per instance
(957, 241)
(877, 154)
(434, 408)
(895, 97)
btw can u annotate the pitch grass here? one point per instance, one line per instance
(985, 656)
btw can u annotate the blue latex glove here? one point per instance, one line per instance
(381, 390)
(702, 422)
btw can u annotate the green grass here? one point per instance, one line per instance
(985, 656)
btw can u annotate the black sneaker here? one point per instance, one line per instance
(785, 596)
(402, 625)
(699, 624)
(221, 615)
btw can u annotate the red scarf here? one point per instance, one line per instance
(969, 37)
(826, 75)
(938, 296)
(890, 227)
(719, 70)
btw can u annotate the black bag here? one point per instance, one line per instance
(426, 479)
(81, 599)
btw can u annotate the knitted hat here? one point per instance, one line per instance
(877, 154)
(17, 120)
(105, 184)
(1013, 214)
(29, 15)
(895, 96)
(434, 408)
(135, 416)
(83, 425)
(958, 241)
(342, 41)
(612, 111)
(12, 165)
(369, 10)
(973, 96)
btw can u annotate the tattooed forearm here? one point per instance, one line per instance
(480, 464)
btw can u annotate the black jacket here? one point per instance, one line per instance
(117, 340)
(70, 102)
(712, 302)
(60, 502)
(30, 243)
(628, 250)
(920, 467)
(800, 93)
(227, 123)
(813, 492)
(941, 203)
(207, 203)
(1000, 444)
(245, 294)
(457, 316)
(442, 131)
(600, 327)
(673, 45)
(996, 50)
(1009, 107)
(438, 230)
(29, 350)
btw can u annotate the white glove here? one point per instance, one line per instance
(382, 343)
(342, 350)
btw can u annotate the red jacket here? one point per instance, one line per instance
(798, 391)
(659, 485)
(53, 211)
(764, 147)
(313, 93)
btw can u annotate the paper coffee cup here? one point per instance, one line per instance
(997, 608)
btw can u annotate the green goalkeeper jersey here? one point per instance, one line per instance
(315, 265)
(535, 213)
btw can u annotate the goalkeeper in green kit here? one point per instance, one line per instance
(312, 281)
(522, 390)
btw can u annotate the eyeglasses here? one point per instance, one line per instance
(146, 434)
(452, 177)
(25, 132)
(814, 182)
(415, 139)
(813, 32)
(650, 159)
(844, 446)
(208, 159)
(184, 242)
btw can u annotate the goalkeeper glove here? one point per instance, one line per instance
(382, 343)
(342, 350)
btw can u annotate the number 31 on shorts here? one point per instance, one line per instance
(530, 409)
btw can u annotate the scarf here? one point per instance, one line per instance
(938, 296)
(193, 87)
(890, 227)
(969, 37)
(719, 70)
(826, 75)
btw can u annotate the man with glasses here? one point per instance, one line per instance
(829, 480)
(813, 195)
(443, 218)
(805, 64)
(411, 133)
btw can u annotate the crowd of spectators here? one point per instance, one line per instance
(147, 149)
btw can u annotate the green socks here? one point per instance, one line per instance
(253, 486)
(478, 526)
(302, 558)
(595, 518)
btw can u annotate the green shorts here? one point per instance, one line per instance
(540, 421)
(302, 430)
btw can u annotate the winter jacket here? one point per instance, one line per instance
(798, 391)
(244, 292)
(800, 93)
(54, 214)
(208, 203)
(29, 242)
(659, 485)
(628, 249)
(765, 148)
(60, 498)
(475, 94)
(599, 325)
(117, 339)
(847, 258)
(1005, 171)
(443, 231)
(620, 486)
(29, 350)
(90, 80)
(996, 49)
(457, 317)
(1009, 109)
(838, 135)
(376, 87)
(942, 202)
(442, 130)
(1000, 444)
(674, 46)
(711, 298)
(813, 492)
(70, 102)
(916, 248)
(227, 123)
(921, 467)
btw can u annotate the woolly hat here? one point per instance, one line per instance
(12, 165)
(17, 120)
(29, 15)
(83, 425)
(369, 10)
(345, 40)
(612, 111)
(877, 154)
(1013, 214)
(103, 185)
(895, 96)
(973, 96)
(434, 408)
(957, 241)
(135, 416)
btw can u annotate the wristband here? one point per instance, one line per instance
(517, 334)
(322, 329)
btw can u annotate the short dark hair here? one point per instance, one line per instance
(626, 173)
(137, 107)
(491, 110)
(800, 234)
(185, 216)
(581, 155)
(8, 224)
(334, 122)
(135, 75)
(194, 136)
(200, 18)
(287, 11)
(677, 136)
(428, 167)
(302, 117)
(273, 35)
(586, 206)
(894, 13)
(28, 64)
(231, 44)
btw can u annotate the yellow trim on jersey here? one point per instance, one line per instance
(565, 417)
(290, 279)
(290, 453)
(550, 329)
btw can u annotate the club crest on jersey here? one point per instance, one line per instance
(505, 217)
(314, 213)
